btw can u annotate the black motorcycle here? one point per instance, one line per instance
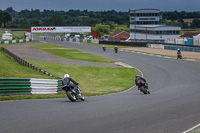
(179, 56)
(73, 93)
(104, 49)
(143, 87)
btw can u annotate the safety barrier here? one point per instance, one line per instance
(17, 86)
(26, 63)
(182, 48)
(15, 41)
(175, 47)
(59, 37)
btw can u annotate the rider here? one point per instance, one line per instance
(178, 53)
(138, 78)
(116, 49)
(104, 48)
(67, 79)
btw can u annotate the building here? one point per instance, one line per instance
(119, 36)
(148, 25)
(191, 38)
(7, 36)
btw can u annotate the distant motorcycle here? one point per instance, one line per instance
(73, 93)
(143, 87)
(179, 56)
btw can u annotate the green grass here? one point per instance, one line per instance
(18, 33)
(92, 79)
(73, 54)
(9, 68)
(1, 32)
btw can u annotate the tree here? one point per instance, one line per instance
(122, 28)
(6, 18)
(182, 23)
(35, 22)
(1, 18)
(57, 20)
(195, 23)
(102, 29)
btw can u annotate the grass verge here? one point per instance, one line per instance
(93, 80)
(9, 68)
(175, 57)
(73, 54)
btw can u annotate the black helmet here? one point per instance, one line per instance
(137, 75)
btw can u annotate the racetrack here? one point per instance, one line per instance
(172, 106)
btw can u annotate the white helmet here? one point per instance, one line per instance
(66, 76)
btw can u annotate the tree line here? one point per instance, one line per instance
(112, 20)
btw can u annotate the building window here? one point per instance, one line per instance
(156, 32)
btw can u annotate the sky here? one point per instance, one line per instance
(101, 5)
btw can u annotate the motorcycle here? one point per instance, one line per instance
(179, 56)
(104, 49)
(73, 93)
(143, 87)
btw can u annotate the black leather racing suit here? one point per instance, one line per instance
(66, 81)
(138, 79)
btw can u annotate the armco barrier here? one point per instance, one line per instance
(15, 41)
(25, 63)
(16, 86)
(135, 44)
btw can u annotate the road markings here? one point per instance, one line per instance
(189, 130)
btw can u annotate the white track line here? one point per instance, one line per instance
(189, 130)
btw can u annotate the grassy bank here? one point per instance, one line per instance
(9, 68)
(73, 54)
(93, 80)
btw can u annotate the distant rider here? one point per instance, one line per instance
(179, 54)
(104, 48)
(67, 80)
(138, 78)
(116, 49)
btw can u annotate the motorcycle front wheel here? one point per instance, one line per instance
(82, 98)
(71, 96)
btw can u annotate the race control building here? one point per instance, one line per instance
(147, 26)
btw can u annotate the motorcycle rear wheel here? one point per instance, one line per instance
(142, 89)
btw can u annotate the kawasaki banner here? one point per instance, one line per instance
(69, 29)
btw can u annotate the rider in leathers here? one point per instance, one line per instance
(138, 78)
(67, 80)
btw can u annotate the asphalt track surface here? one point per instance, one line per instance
(172, 107)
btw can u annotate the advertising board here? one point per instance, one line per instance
(70, 29)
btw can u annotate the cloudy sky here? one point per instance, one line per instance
(101, 5)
